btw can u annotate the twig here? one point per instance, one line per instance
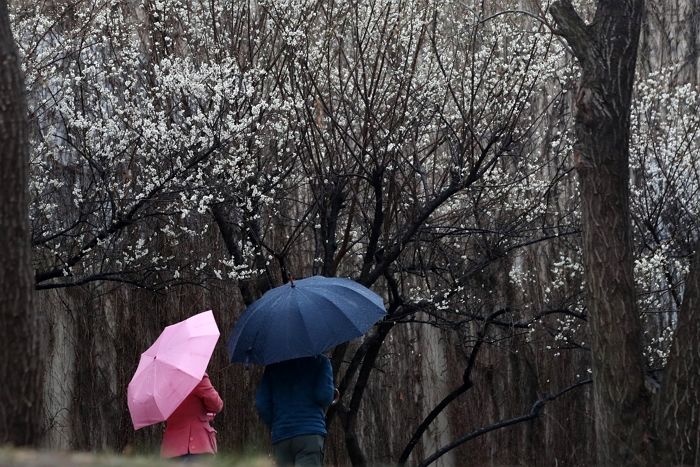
(534, 413)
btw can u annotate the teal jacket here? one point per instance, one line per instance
(293, 396)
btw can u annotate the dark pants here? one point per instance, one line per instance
(300, 451)
(192, 457)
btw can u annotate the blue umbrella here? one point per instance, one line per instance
(303, 318)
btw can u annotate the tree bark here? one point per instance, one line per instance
(21, 365)
(676, 415)
(607, 52)
(355, 452)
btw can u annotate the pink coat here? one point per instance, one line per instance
(187, 429)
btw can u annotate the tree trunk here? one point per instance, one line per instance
(676, 416)
(21, 368)
(607, 52)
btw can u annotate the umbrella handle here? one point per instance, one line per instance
(336, 396)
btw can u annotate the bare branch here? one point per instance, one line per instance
(464, 387)
(534, 413)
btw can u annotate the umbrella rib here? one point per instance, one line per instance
(181, 370)
(345, 317)
(306, 329)
(261, 334)
(155, 399)
(154, 391)
(354, 292)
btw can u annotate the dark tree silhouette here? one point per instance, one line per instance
(21, 369)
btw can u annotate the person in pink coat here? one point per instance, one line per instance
(187, 430)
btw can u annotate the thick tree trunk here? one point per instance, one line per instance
(677, 417)
(21, 369)
(607, 51)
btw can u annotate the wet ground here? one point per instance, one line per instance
(31, 458)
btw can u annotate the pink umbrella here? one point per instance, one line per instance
(171, 368)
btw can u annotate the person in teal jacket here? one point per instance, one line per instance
(292, 399)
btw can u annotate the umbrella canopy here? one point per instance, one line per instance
(303, 318)
(171, 368)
